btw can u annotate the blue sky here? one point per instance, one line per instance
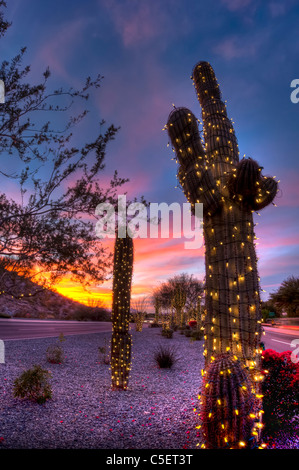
(146, 50)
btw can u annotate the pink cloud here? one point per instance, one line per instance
(277, 9)
(141, 110)
(289, 190)
(136, 21)
(58, 49)
(234, 48)
(242, 46)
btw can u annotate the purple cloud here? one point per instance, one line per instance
(235, 5)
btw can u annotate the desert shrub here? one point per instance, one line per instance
(4, 315)
(154, 325)
(85, 313)
(280, 389)
(167, 332)
(33, 384)
(139, 319)
(104, 353)
(61, 337)
(20, 313)
(55, 354)
(165, 357)
(196, 335)
(173, 326)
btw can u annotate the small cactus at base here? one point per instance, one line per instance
(229, 406)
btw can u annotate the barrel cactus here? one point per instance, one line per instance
(230, 410)
(121, 339)
(230, 191)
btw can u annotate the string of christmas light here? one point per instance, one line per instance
(121, 341)
(231, 191)
(22, 296)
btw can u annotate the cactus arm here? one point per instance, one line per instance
(268, 190)
(249, 188)
(194, 174)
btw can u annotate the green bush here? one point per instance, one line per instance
(187, 333)
(33, 384)
(55, 354)
(165, 357)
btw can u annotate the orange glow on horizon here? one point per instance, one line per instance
(75, 291)
(155, 261)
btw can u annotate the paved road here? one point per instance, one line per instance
(280, 339)
(28, 329)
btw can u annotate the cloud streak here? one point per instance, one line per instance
(137, 22)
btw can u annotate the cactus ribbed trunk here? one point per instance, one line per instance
(157, 306)
(121, 339)
(230, 190)
(228, 404)
(179, 302)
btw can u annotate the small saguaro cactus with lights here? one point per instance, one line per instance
(121, 339)
(178, 303)
(157, 305)
(230, 191)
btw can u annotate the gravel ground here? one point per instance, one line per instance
(158, 411)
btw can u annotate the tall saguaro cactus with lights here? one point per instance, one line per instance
(121, 338)
(230, 190)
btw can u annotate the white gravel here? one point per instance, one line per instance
(158, 411)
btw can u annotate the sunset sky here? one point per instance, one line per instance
(146, 50)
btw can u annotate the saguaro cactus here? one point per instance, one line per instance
(121, 339)
(157, 305)
(179, 302)
(230, 190)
